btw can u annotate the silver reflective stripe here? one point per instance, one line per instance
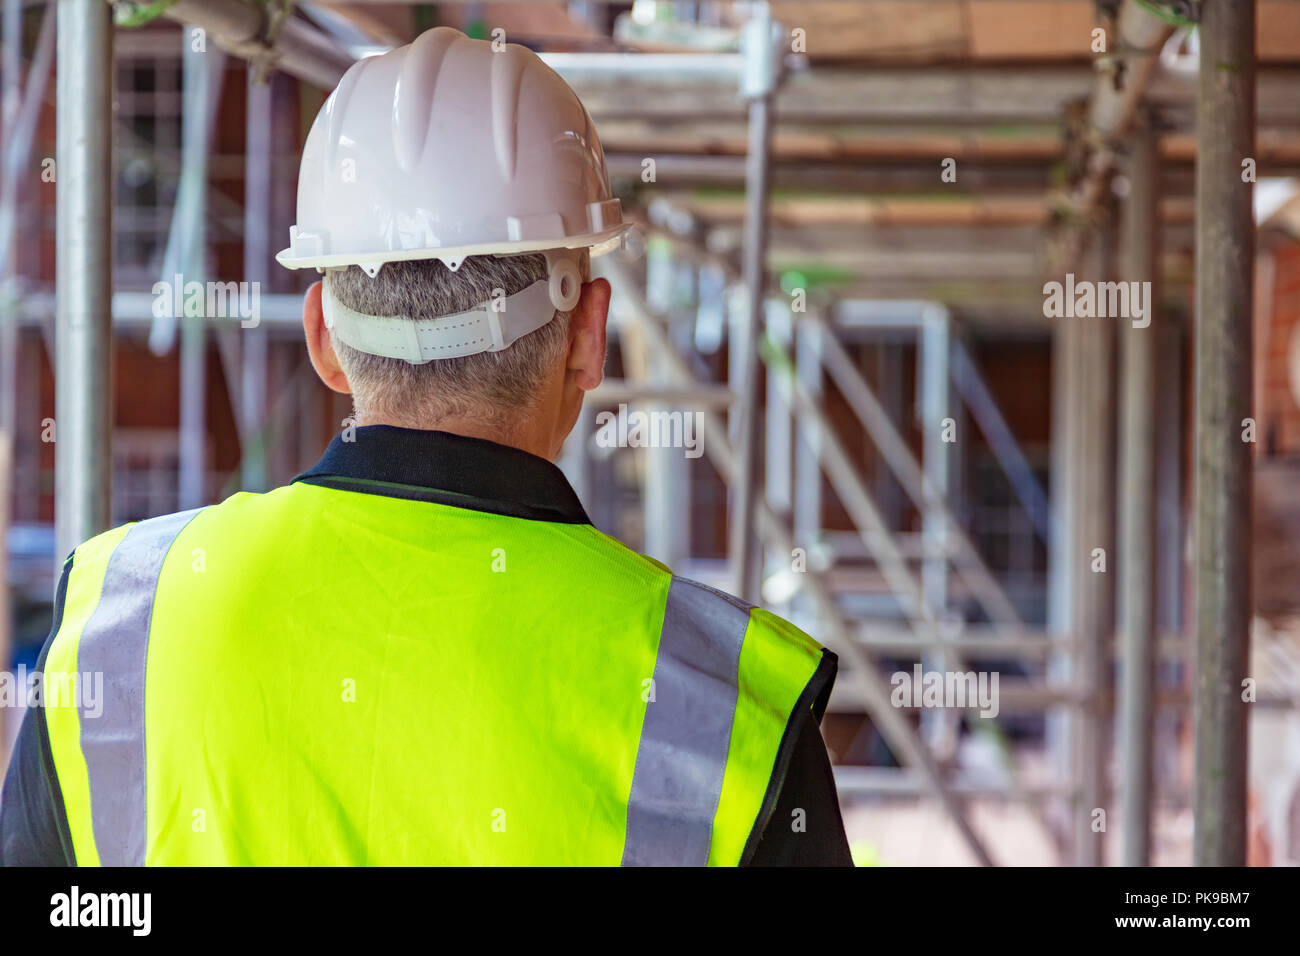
(687, 730)
(115, 643)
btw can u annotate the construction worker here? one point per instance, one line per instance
(420, 651)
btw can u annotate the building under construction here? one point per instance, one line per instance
(965, 334)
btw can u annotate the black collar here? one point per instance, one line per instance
(447, 469)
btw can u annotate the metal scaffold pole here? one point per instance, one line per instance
(198, 80)
(83, 273)
(1137, 556)
(1225, 253)
(1094, 576)
(758, 83)
(10, 93)
(257, 256)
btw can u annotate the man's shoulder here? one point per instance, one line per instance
(708, 599)
(707, 594)
(133, 554)
(614, 558)
(99, 546)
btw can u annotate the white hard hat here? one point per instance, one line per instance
(448, 148)
(445, 148)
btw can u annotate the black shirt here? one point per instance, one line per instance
(803, 824)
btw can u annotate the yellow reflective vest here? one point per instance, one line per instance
(355, 669)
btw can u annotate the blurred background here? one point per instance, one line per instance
(914, 460)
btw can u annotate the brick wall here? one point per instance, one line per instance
(1278, 411)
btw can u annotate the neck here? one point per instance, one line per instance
(539, 429)
(525, 435)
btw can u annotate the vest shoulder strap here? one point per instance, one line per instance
(97, 661)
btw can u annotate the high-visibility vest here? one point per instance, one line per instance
(321, 676)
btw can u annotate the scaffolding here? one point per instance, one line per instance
(767, 431)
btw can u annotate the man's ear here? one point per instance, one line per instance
(319, 348)
(587, 335)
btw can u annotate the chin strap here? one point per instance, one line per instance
(491, 327)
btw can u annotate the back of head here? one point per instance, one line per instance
(484, 386)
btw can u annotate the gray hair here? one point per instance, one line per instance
(488, 387)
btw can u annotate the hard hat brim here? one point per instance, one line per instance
(597, 243)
